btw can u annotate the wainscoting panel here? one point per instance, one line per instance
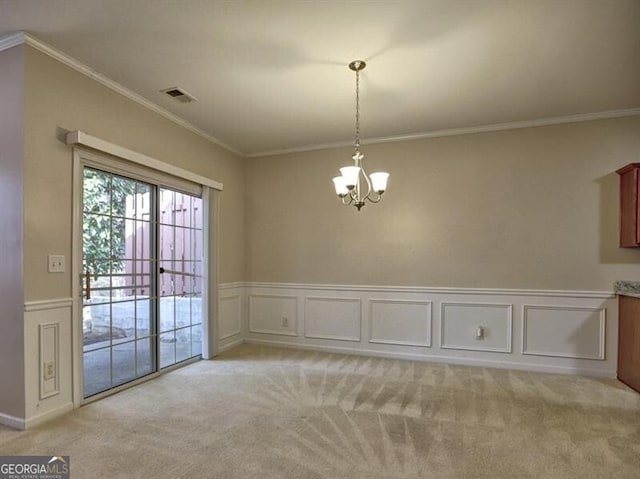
(332, 318)
(49, 359)
(48, 370)
(231, 323)
(400, 322)
(564, 331)
(273, 314)
(573, 332)
(460, 321)
(229, 316)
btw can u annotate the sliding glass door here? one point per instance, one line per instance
(142, 277)
(180, 281)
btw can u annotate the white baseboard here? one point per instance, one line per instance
(231, 345)
(49, 415)
(542, 368)
(12, 421)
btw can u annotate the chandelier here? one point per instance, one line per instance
(349, 187)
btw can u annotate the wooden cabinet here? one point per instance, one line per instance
(629, 341)
(629, 208)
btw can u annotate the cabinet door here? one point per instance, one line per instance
(629, 342)
(637, 204)
(629, 212)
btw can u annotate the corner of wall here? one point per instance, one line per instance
(12, 139)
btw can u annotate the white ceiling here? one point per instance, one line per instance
(272, 74)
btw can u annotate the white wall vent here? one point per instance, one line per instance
(179, 94)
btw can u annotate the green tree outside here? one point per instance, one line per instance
(103, 234)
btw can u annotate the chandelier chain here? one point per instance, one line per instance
(357, 110)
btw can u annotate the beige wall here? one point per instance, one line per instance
(60, 99)
(12, 397)
(529, 208)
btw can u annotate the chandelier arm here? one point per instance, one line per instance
(366, 177)
(376, 199)
(355, 194)
(346, 203)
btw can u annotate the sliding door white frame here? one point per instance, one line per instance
(209, 192)
(210, 281)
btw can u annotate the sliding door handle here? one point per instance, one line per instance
(182, 273)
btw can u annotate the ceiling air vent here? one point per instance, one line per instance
(179, 94)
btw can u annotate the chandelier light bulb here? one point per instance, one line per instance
(341, 186)
(379, 181)
(350, 174)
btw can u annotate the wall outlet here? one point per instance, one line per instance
(56, 263)
(285, 322)
(49, 370)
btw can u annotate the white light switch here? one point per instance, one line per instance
(56, 263)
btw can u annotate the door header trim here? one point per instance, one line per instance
(78, 137)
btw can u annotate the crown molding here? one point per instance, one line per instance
(12, 40)
(558, 120)
(19, 38)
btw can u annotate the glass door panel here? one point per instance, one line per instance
(180, 279)
(119, 333)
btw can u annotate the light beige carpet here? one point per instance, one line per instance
(259, 412)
